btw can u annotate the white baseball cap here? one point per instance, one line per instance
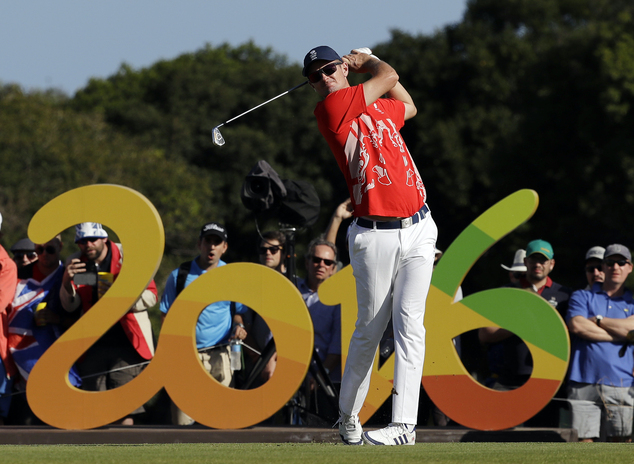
(518, 262)
(89, 230)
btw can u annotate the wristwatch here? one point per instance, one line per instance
(599, 319)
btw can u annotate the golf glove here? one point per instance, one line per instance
(367, 51)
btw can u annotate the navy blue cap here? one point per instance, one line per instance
(322, 52)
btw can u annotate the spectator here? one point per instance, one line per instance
(600, 378)
(219, 322)
(34, 322)
(8, 282)
(23, 252)
(510, 361)
(320, 265)
(594, 266)
(272, 250)
(320, 261)
(517, 271)
(271, 253)
(540, 261)
(119, 355)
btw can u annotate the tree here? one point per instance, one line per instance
(526, 94)
(173, 105)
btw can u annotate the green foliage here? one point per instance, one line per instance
(173, 105)
(47, 149)
(526, 94)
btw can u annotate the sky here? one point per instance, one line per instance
(63, 43)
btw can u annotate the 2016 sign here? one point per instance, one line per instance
(176, 367)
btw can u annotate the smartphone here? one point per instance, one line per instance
(89, 277)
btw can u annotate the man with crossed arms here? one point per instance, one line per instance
(600, 372)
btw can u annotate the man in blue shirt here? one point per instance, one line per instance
(219, 322)
(600, 377)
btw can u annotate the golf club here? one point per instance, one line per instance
(219, 140)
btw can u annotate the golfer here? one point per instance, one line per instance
(392, 238)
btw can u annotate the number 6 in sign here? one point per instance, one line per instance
(527, 315)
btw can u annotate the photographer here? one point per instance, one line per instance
(89, 273)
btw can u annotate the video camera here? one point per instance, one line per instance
(296, 202)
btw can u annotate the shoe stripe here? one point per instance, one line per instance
(368, 438)
(348, 442)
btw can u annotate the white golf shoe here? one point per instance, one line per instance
(350, 429)
(393, 434)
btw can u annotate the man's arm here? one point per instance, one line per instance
(169, 295)
(384, 80)
(8, 282)
(148, 298)
(343, 212)
(588, 330)
(617, 328)
(332, 362)
(399, 93)
(69, 297)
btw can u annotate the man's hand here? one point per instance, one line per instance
(384, 77)
(344, 210)
(76, 266)
(366, 50)
(239, 332)
(361, 60)
(45, 316)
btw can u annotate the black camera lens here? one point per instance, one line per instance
(259, 186)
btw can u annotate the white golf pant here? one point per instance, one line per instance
(393, 270)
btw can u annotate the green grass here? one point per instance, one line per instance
(481, 453)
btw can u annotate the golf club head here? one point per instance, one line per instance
(217, 136)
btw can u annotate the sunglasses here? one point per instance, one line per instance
(591, 269)
(612, 262)
(318, 260)
(22, 254)
(50, 249)
(83, 241)
(327, 70)
(272, 250)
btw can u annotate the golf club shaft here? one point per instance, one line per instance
(262, 104)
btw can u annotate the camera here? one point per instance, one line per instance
(262, 188)
(295, 202)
